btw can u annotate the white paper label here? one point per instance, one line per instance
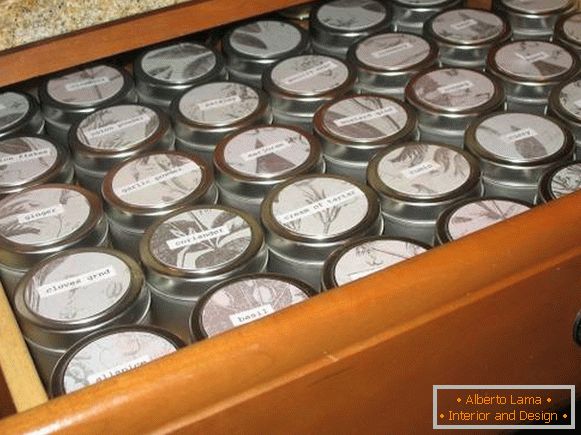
(23, 157)
(116, 126)
(192, 239)
(391, 50)
(541, 55)
(461, 25)
(455, 87)
(76, 282)
(367, 116)
(319, 206)
(89, 83)
(269, 149)
(311, 72)
(519, 134)
(250, 315)
(219, 102)
(157, 179)
(117, 370)
(421, 169)
(40, 214)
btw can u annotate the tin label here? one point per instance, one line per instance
(379, 54)
(570, 99)
(311, 72)
(13, 108)
(117, 370)
(351, 15)
(367, 116)
(219, 102)
(116, 126)
(202, 236)
(248, 316)
(455, 87)
(42, 213)
(83, 84)
(268, 149)
(572, 27)
(265, 38)
(541, 55)
(162, 177)
(461, 25)
(538, 60)
(393, 51)
(519, 135)
(420, 169)
(75, 282)
(567, 180)
(24, 157)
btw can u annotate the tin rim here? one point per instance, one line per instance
(509, 9)
(560, 33)
(32, 112)
(545, 192)
(556, 106)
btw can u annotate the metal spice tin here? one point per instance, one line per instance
(27, 161)
(114, 134)
(299, 85)
(465, 36)
(364, 257)
(307, 217)
(468, 216)
(528, 70)
(410, 15)
(149, 186)
(204, 115)
(386, 62)
(560, 180)
(43, 220)
(568, 31)
(515, 149)
(416, 181)
(251, 47)
(337, 24)
(164, 72)
(108, 353)
(67, 98)
(352, 129)
(244, 299)
(190, 250)
(565, 105)
(447, 99)
(252, 161)
(19, 115)
(76, 292)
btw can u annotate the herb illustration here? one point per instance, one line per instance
(179, 63)
(351, 14)
(265, 38)
(567, 180)
(22, 159)
(13, 107)
(570, 98)
(536, 59)
(478, 25)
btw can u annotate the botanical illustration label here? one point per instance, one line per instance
(536, 6)
(201, 239)
(423, 170)
(86, 87)
(24, 159)
(43, 215)
(118, 127)
(572, 27)
(467, 26)
(265, 38)
(477, 215)
(567, 180)
(352, 14)
(77, 286)
(520, 137)
(179, 63)
(534, 59)
(320, 206)
(246, 300)
(310, 74)
(267, 152)
(393, 51)
(13, 107)
(570, 98)
(370, 257)
(113, 354)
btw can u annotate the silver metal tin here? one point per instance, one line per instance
(565, 104)
(74, 293)
(466, 35)
(242, 300)
(364, 257)
(114, 134)
(69, 97)
(108, 353)
(308, 217)
(43, 220)
(410, 15)
(386, 62)
(447, 99)
(299, 85)
(352, 129)
(252, 161)
(249, 48)
(416, 181)
(534, 19)
(27, 161)
(562, 179)
(515, 149)
(568, 31)
(164, 72)
(468, 216)
(336, 24)
(19, 115)
(190, 250)
(204, 115)
(529, 69)
(149, 186)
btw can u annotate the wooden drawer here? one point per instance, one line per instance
(496, 307)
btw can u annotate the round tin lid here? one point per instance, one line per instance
(452, 90)
(560, 180)
(537, 6)
(537, 61)
(243, 300)
(14, 108)
(473, 215)
(571, 28)
(178, 63)
(109, 353)
(467, 27)
(265, 39)
(351, 15)
(568, 100)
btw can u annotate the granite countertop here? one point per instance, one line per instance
(26, 21)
